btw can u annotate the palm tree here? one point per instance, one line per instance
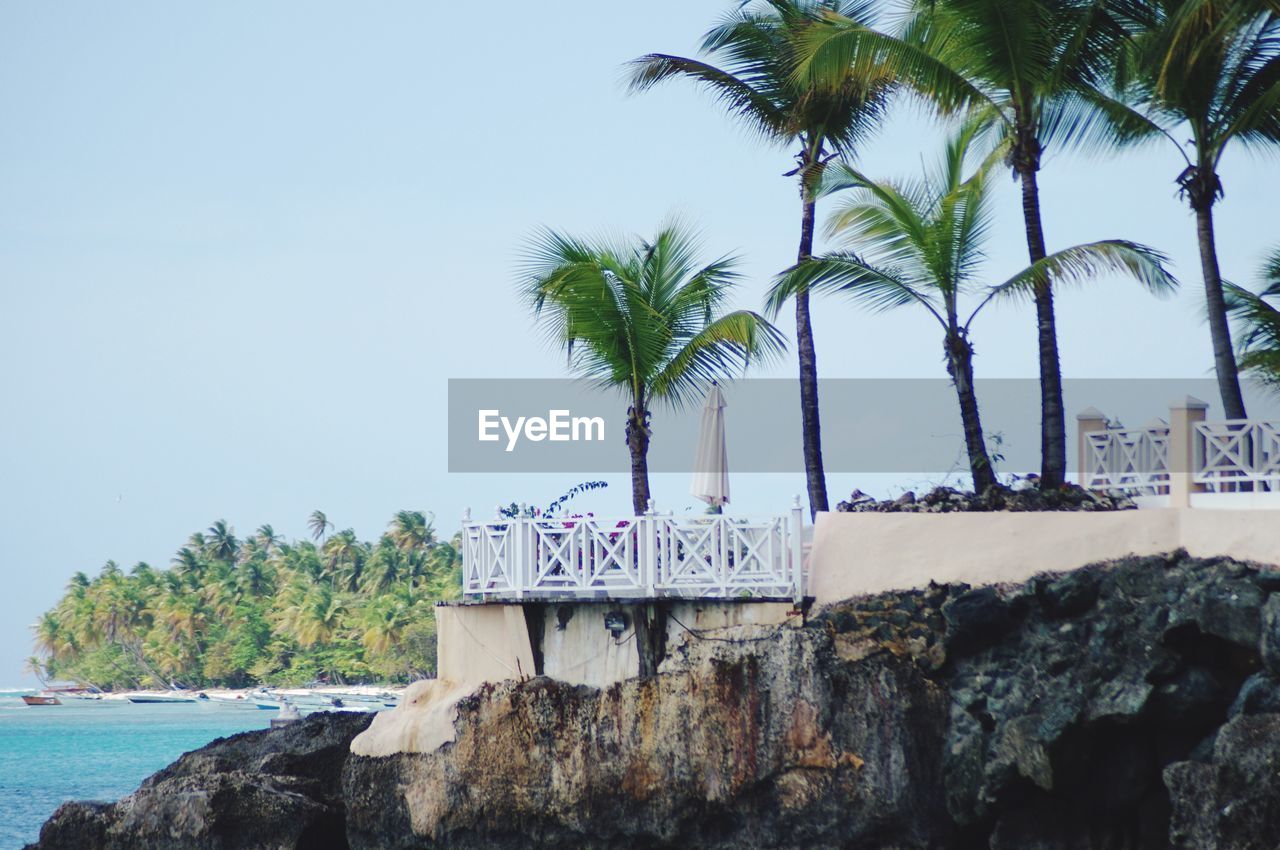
(412, 530)
(344, 556)
(386, 567)
(1212, 68)
(319, 524)
(315, 615)
(221, 541)
(1259, 324)
(643, 318)
(267, 538)
(752, 58)
(924, 245)
(187, 565)
(1035, 71)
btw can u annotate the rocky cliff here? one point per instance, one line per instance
(1126, 705)
(271, 790)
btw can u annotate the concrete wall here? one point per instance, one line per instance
(855, 554)
(479, 643)
(482, 643)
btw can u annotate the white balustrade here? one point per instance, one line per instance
(1134, 460)
(649, 556)
(1238, 454)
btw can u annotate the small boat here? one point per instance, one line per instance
(40, 699)
(73, 692)
(159, 698)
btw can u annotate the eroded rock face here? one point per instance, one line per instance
(1232, 801)
(1045, 715)
(278, 788)
(771, 741)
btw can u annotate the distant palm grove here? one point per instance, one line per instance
(235, 612)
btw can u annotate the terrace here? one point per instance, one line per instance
(654, 556)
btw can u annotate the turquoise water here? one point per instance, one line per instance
(95, 751)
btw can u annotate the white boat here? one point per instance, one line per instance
(165, 697)
(244, 701)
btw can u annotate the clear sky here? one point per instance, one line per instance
(243, 246)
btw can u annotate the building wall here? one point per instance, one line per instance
(863, 553)
(482, 643)
(487, 643)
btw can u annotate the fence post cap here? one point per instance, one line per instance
(1188, 402)
(466, 514)
(1091, 413)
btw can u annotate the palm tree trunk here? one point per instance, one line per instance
(638, 443)
(811, 428)
(1224, 358)
(960, 366)
(1053, 425)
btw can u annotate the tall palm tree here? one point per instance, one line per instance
(751, 58)
(642, 317)
(922, 244)
(319, 524)
(1211, 69)
(1259, 323)
(1035, 70)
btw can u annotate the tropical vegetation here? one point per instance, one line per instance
(1211, 70)
(756, 48)
(1258, 321)
(920, 242)
(643, 317)
(1035, 72)
(238, 611)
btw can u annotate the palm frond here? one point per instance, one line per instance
(877, 288)
(719, 351)
(1081, 263)
(1258, 331)
(826, 54)
(747, 103)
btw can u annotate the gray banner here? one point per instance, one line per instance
(871, 426)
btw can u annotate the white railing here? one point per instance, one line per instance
(1135, 460)
(648, 556)
(1237, 455)
(1212, 459)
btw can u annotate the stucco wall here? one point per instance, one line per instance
(861, 553)
(482, 643)
(489, 643)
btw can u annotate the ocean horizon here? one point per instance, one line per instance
(95, 750)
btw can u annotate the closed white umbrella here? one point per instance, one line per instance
(711, 464)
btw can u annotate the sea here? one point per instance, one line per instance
(95, 750)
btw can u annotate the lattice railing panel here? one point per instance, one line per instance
(650, 556)
(1238, 455)
(1135, 460)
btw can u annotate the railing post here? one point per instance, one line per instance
(797, 550)
(468, 557)
(1088, 421)
(524, 551)
(1184, 415)
(648, 540)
